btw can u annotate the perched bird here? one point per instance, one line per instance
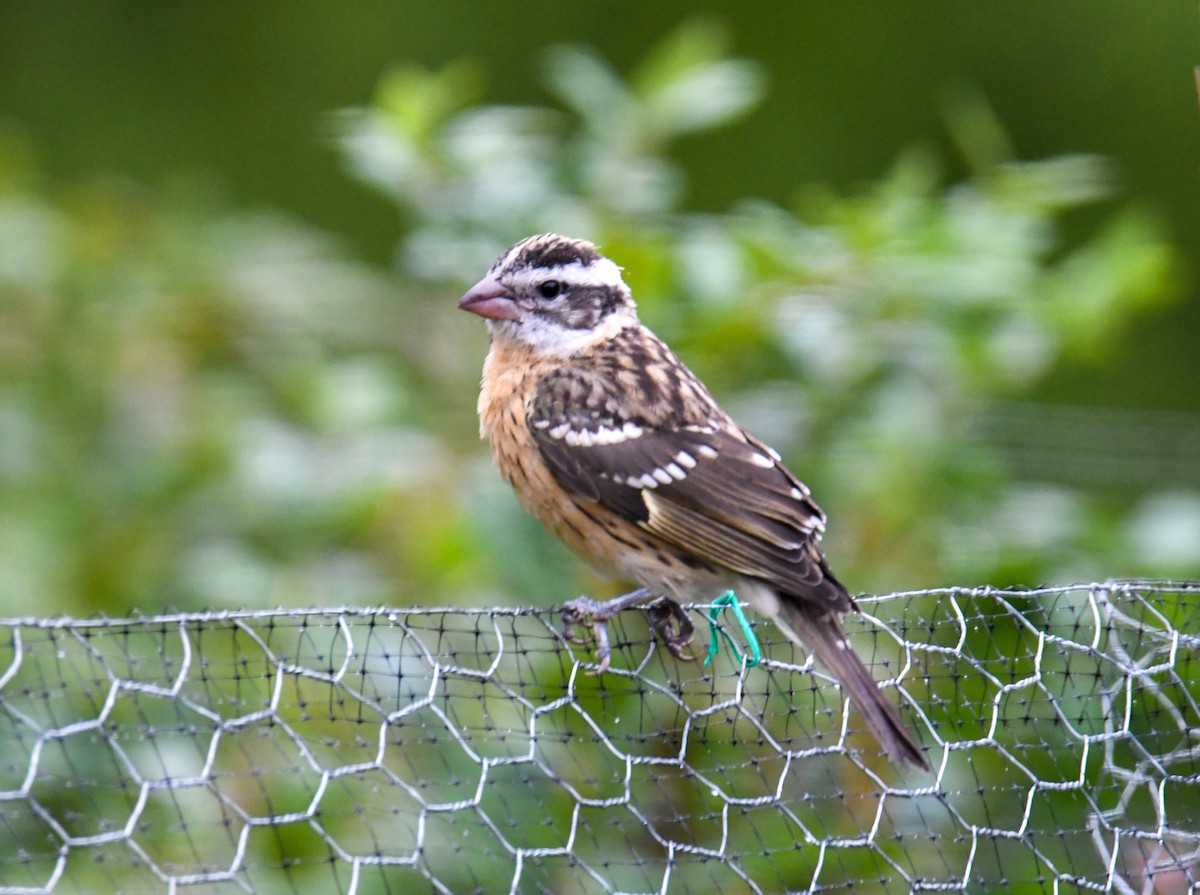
(621, 452)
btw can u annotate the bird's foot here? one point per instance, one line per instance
(593, 615)
(666, 619)
(673, 627)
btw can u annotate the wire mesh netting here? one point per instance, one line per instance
(384, 750)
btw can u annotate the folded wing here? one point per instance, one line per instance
(689, 475)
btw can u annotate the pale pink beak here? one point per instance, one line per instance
(488, 298)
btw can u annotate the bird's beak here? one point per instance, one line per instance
(488, 298)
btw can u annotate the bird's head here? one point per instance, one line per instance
(554, 294)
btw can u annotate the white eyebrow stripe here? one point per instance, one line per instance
(601, 272)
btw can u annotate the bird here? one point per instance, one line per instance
(610, 441)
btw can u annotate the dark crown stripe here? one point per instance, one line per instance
(552, 250)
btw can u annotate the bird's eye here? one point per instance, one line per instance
(550, 288)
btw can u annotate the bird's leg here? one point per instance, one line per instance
(666, 619)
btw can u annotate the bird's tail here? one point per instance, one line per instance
(820, 630)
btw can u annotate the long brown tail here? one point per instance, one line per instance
(820, 630)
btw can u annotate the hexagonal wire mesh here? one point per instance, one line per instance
(450, 750)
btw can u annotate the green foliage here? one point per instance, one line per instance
(866, 335)
(200, 407)
(196, 407)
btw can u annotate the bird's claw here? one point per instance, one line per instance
(666, 619)
(584, 612)
(673, 627)
(592, 615)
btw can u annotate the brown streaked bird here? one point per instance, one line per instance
(621, 452)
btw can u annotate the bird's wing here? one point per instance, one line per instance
(686, 473)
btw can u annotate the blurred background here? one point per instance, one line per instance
(944, 258)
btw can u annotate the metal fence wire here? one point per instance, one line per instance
(452, 750)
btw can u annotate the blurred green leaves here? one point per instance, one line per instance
(866, 334)
(203, 407)
(191, 403)
(685, 84)
(494, 171)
